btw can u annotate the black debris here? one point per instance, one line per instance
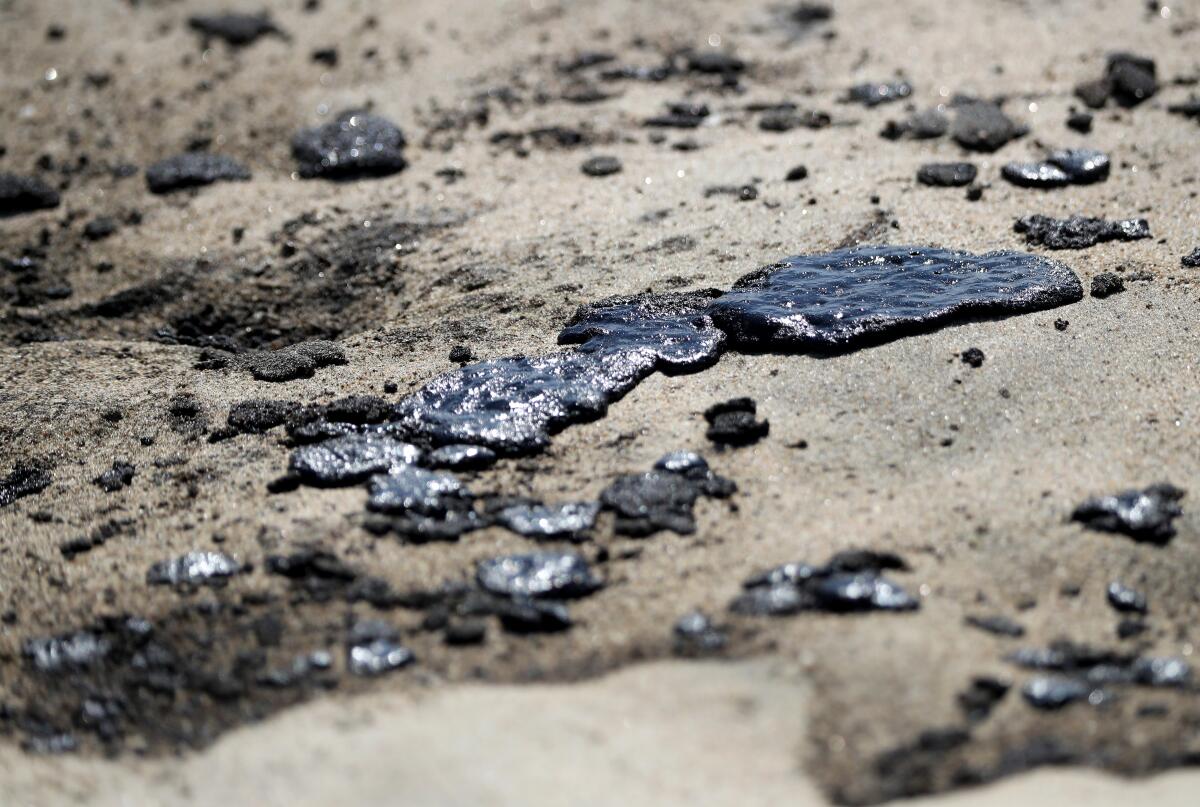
(99, 228)
(795, 587)
(983, 126)
(1079, 232)
(373, 649)
(194, 568)
(601, 166)
(462, 458)
(350, 459)
(842, 300)
(947, 175)
(120, 475)
(193, 169)
(664, 498)
(1106, 284)
(295, 361)
(564, 521)
(238, 30)
(1080, 122)
(22, 194)
(1125, 599)
(999, 625)
(733, 423)
(422, 505)
(354, 145)
(1144, 515)
(882, 92)
(972, 357)
(979, 699)
(801, 172)
(926, 125)
(549, 575)
(1192, 259)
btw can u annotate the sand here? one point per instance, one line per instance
(969, 474)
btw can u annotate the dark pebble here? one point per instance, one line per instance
(1080, 121)
(844, 299)
(733, 423)
(983, 126)
(601, 166)
(550, 575)
(801, 172)
(194, 568)
(947, 175)
(26, 479)
(998, 625)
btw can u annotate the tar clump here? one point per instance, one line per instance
(26, 479)
(236, 30)
(423, 505)
(1144, 515)
(848, 582)
(852, 297)
(733, 423)
(120, 475)
(972, 357)
(876, 93)
(194, 569)
(22, 194)
(1066, 167)
(1128, 79)
(294, 361)
(356, 144)
(193, 169)
(1106, 284)
(947, 175)
(983, 126)
(552, 575)
(1079, 232)
(563, 521)
(664, 498)
(350, 459)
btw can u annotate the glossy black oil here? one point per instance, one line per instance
(350, 459)
(852, 297)
(25, 480)
(845, 584)
(1079, 232)
(564, 521)
(1144, 515)
(549, 575)
(512, 405)
(356, 144)
(423, 505)
(194, 568)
